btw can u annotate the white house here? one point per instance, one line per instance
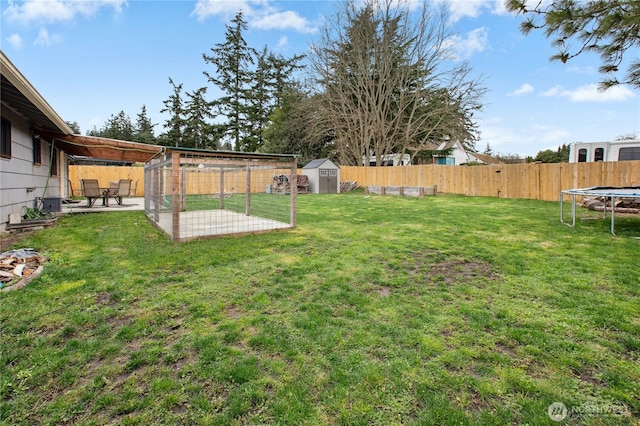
(459, 155)
(35, 145)
(588, 152)
(31, 166)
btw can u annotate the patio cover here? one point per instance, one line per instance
(102, 148)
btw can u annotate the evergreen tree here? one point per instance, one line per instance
(488, 150)
(260, 103)
(232, 60)
(144, 128)
(288, 131)
(118, 126)
(607, 27)
(197, 131)
(561, 155)
(282, 70)
(75, 127)
(176, 122)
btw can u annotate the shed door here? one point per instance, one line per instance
(328, 181)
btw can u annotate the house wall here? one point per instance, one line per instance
(19, 172)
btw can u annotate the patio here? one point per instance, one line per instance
(128, 204)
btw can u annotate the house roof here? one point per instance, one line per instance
(485, 158)
(314, 164)
(19, 95)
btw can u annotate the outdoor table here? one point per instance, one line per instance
(106, 193)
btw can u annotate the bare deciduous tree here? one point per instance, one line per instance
(388, 83)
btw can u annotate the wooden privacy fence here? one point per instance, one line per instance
(106, 174)
(533, 180)
(197, 182)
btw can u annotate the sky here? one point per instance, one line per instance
(91, 59)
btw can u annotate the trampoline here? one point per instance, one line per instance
(610, 194)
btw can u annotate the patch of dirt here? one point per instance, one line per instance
(384, 291)
(451, 270)
(233, 312)
(104, 298)
(8, 239)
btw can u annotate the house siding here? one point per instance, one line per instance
(19, 172)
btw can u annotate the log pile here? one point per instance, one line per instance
(348, 185)
(623, 205)
(18, 266)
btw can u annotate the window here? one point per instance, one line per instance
(5, 147)
(629, 153)
(598, 154)
(582, 155)
(37, 150)
(54, 162)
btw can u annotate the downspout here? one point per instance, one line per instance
(46, 185)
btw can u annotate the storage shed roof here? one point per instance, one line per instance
(314, 164)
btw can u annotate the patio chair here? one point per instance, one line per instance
(91, 190)
(134, 189)
(123, 189)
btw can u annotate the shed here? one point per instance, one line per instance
(324, 176)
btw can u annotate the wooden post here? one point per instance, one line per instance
(157, 191)
(183, 190)
(175, 191)
(248, 193)
(221, 188)
(294, 191)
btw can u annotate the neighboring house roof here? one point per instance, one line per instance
(314, 164)
(471, 156)
(19, 95)
(485, 158)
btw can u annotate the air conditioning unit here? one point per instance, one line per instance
(52, 204)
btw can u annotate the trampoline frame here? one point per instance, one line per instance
(610, 193)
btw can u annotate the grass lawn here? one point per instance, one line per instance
(374, 310)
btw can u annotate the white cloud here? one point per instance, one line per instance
(463, 47)
(58, 10)
(523, 140)
(586, 70)
(210, 8)
(283, 20)
(260, 14)
(525, 89)
(591, 93)
(459, 9)
(15, 41)
(44, 39)
(283, 42)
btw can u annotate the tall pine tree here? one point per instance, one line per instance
(144, 128)
(232, 62)
(197, 131)
(176, 122)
